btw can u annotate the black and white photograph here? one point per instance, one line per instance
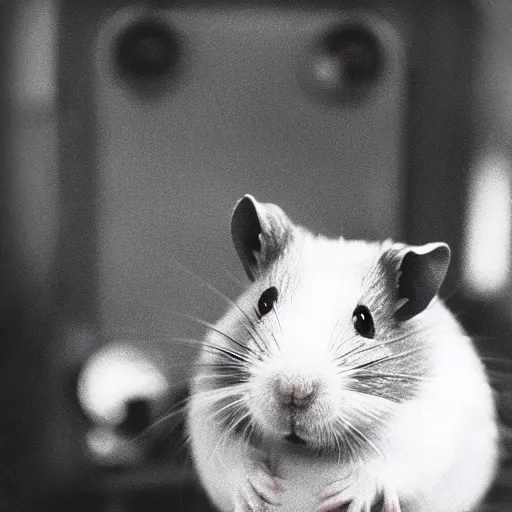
(256, 256)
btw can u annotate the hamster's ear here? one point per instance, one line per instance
(259, 232)
(421, 271)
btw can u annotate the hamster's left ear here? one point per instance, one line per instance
(259, 232)
(421, 271)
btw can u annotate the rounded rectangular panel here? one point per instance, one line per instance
(253, 103)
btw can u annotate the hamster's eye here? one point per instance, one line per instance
(267, 299)
(363, 322)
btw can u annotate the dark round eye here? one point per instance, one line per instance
(267, 299)
(363, 322)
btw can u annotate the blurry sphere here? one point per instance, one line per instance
(146, 49)
(346, 62)
(117, 378)
(356, 52)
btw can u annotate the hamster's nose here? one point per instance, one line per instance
(296, 393)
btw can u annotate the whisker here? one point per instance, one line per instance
(232, 364)
(350, 352)
(242, 418)
(205, 344)
(348, 334)
(385, 343)
(384, 359)
(211, 396)
(347, 437)
(221, 441)
(237, 378)
(219, 293)
(391, 375)
(223, 392)
(235, 405)
(365, 438)
(257, 313)
(212, 327)
(331, 338)
(337, 443)
(217, 395)
(368, 348)
(216, 349)
(365, 412)
(186, 341)
(248, 431)
(217, 365)
(150, 428)
(358, 403)
(229, 405)
(228, 431)
(274, 309)
(228, 353)
(251, 330)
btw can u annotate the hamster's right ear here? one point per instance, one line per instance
(418, 272)
(259, 231)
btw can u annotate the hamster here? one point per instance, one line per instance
(339, 380)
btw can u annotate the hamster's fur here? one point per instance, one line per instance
(295, 407)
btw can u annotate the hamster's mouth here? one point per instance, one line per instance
(293, 438)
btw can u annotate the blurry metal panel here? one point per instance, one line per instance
(242, 113)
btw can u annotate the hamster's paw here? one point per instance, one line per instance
(258, 490)
(348, 494)
(360, 495)
(391, 503)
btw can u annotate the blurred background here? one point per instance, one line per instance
(129, 131)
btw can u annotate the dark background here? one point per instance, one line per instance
(131, 129)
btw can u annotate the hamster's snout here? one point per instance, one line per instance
(299, 393)
(295, 397)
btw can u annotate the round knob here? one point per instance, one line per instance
(346, 62)
(147, 49)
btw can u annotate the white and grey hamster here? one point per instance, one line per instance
(339, 380)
